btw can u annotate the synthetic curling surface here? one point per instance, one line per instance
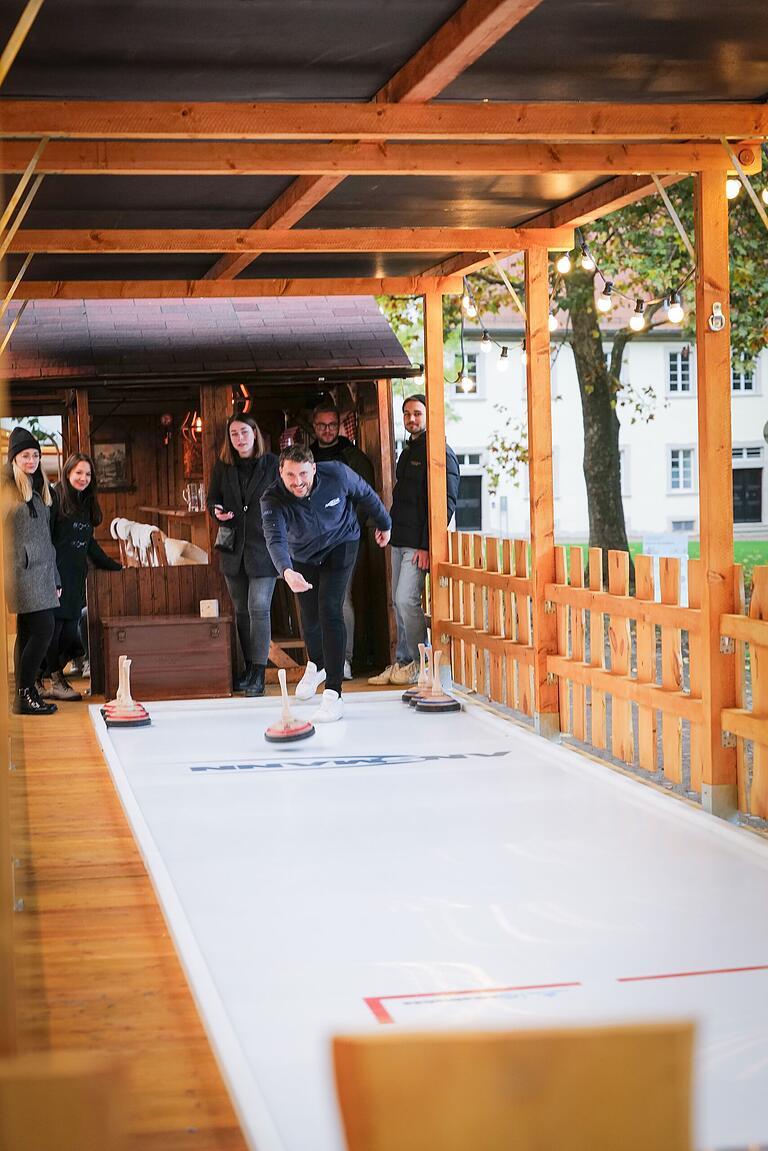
(436, 871)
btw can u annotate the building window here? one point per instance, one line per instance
(469, 506)
(679, 375)
(681, 469)
(683, 525)
(467, 384)
(742, 376)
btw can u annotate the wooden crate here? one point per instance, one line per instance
(173, 657)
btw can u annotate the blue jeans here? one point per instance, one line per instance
(252, 601)
(407, 589)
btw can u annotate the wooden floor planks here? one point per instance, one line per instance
(95, 967)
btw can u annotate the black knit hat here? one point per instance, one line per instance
(416, 396)
(21, 439)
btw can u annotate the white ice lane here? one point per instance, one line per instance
(414, 870)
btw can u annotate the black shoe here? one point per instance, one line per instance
(242, 681)
(255, 685)
(28, 702)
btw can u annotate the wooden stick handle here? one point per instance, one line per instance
(284, 694)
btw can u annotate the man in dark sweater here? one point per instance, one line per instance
(410, 540)
(312, 530)
(329, 445)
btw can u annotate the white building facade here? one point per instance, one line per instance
(659, 456)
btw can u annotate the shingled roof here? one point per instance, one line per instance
(91, 338)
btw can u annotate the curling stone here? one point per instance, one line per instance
(123, 711)
(287, 729)
(435, 699)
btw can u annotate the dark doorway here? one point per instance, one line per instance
(469, 506)
(748, 495)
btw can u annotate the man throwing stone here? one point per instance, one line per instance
(410, 540)
(312, 532)
(329, 445)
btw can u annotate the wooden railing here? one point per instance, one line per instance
(749, 725)
(489, 627)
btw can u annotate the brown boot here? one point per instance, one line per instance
(60, 689)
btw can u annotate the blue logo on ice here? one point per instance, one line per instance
(306, 763)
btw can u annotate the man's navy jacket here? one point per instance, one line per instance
(410, 503)
(306, 529)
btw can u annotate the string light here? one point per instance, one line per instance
(587, 263)
(675, 311)
(553, 322)
(605, 299)
(637, 319)
(764, 195)
(485, 344)
(468, 305)
(523, 354)
(465, 383)
(732, 187)
(503, 364)
(563, 264)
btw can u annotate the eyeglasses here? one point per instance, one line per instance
(327, 427)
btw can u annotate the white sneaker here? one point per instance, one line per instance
(405, 673)
(384, 677)
(331, 709)
(347, 669)
(309, 682)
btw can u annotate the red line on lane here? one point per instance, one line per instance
(376, 1003)
(689, 974)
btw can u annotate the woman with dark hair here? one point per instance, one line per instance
(33, 582)
(241, 475)
(75, 515)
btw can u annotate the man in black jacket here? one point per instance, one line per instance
(312, 529)
(410, 540)
(329, 445)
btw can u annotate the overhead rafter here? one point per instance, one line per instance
(91, 241)
(211, 289)
(565, 121)
(471, 31)
(346, 158)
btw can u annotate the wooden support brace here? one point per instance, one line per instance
(436, 479)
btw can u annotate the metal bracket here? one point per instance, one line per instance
(444, 638)
(727, 645)
(550, 607)
(728, 739)
(551, 677)
(717, 320)
(443, 581)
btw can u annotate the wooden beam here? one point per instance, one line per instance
(434, 376)
(210, 289)
(542, 507)
(713, 371)
(472, 30)
(363, 158)
(565, 121)
(318, 240)
(599, 202)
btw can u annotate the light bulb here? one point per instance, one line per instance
(764, 195)
(675, 311)
(465, 383)
(637, 319)
(485, 344)
(605, 299)
(503, 364)
(587, 263)
(468, 305)
(563, 264)
(553, 324)
(732, 187)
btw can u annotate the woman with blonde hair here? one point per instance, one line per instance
(241, 475)
(33, 587)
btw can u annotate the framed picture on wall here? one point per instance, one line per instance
(113, 465)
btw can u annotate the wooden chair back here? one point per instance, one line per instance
(623, 1088)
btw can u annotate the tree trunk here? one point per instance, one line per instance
(598, 386)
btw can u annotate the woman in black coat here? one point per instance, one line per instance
(243, 472)
(74, 516)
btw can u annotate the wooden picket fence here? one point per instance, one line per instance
(490, 624)
(748, 725)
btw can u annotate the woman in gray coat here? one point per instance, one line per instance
(33, 584)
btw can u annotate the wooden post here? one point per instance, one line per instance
(7, 896)
(384, 468)
(546, 712)
(215, 409)
(713, 358)
(438, 525)
(83, 413)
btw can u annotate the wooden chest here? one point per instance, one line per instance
(173, 657)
